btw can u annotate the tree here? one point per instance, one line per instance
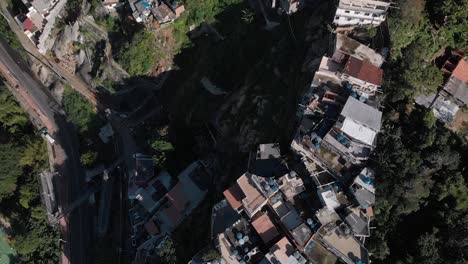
(141, 54)
(166, 252)
(161, 149)
(34, 155)
(39, 245)
(7, 34)
(79, 111)
(88, 158)
(10, 170)
(428, 248)
(211, 255)
(12, 117)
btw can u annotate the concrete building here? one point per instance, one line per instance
(360, 13)
(443, 108)
(268, 161)
(456, 87)
(348, 46)
(147, 11)
(362, 77)
(183, 198)
(41, 6)
(245, 196)
(265, 228)
(237, 244)
(363, 188)
(358, 222)
(291, 185)
(150, 196)
(281, 251)
(339, 240)
(355, 133)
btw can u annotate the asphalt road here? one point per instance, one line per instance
(67, 162)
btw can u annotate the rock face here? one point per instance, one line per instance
(83, 48)
(65, 39)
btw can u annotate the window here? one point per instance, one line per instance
(366, 14)
(347, 11)
(337, 18)
(361, 20)
(349, 19)
(357, 13)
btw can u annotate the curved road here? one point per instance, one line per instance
(42, 107)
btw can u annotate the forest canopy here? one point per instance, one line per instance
(422, 197)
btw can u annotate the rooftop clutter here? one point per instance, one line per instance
(160, 11)
(158, 204)
(321, 213)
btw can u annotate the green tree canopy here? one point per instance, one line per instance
(12, 117)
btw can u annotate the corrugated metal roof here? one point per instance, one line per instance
(362, 113)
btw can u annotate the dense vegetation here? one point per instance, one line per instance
(198, 11)
(420, 31)
(422, 198)
(144, 50)
(79, 111)
(22, 156)
(7, 34)
(82, 114)
(140, 55)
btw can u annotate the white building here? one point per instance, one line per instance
(360, 13)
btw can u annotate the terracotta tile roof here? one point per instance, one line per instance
(253, 198)
(282, 250)
(265, 228)
(151, 227)
(234, 196)
(363, 71)
(461, 71)
(177, 197)
(177, 204)
(179, 10)
(369, 211)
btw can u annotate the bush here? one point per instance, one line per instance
(80, 112)
(141, 55)
(88, 159)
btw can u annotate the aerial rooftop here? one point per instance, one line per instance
(364, 71)
(340, 241)
(354, 48)
(362, 113)
(280, 251)
(246, 195)
(265, 228)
